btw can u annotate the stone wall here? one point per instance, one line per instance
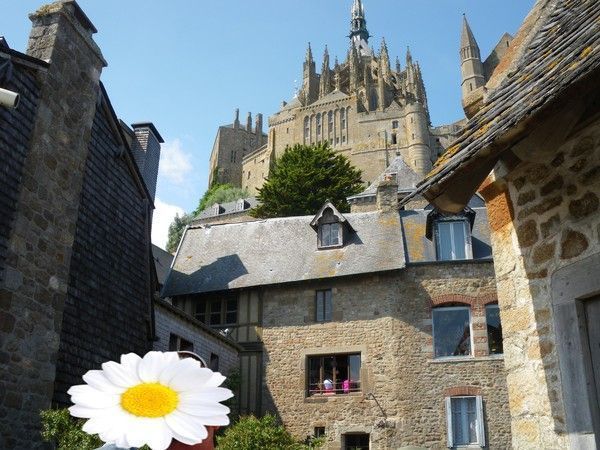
(39, 247)
(108, 287)
(387, 318)
(170, 320)
(544, 219)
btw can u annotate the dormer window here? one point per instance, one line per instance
(331, 227)
(217, 209)
(451, 234)
(241, 205)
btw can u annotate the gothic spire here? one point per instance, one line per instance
(359, 35)
(398, 67)
(408, 56)
(466, 37)
(309, 56)
(385, 57)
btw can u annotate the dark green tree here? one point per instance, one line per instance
(176, 231)
(304, 178)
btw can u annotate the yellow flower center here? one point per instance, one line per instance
(149, 400)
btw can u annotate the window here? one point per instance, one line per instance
(330, 235)
(306, 129)
(318, 125)
(356, 441)
(330, 122)
(451, 331)
(453, 240)
(333, 374)
(214, 362)
(394, 139)
(343, 119)
(494, 329)
(394, 124)
(217, 311)
(177, 343)
(319, 431)
(464, 417)
(324, 306)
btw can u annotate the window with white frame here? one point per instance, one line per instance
(451, 331)
(330, 235)
(464, 417)
(324, 306)
(452, 240)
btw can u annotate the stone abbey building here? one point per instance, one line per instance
(368, 107)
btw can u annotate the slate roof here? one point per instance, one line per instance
(406, 177)
(282, 250)
(162, 262)
(227, 208)
(563, 49)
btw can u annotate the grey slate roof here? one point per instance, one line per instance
(227, 208)
(564, 49)
(162, 262)
(282, 250)
(406, 177)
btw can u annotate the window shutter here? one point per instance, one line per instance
(468, 241)
(450, 443)
(480, 426)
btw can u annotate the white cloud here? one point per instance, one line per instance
(175, 164)
(162, 218)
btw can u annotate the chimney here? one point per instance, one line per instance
(146, 150)
(387, 194)
(249, 122)
(236, 120)
(258, 128)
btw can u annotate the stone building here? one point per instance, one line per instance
(376, 328)
(77, 276)
(537, 129)
(232, 143)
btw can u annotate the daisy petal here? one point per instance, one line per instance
(217, 420)
(131, 361)
(151, 366)
(216, 380)
(159, 437)
(191, 379)
(187, 426)
(120, 375)
(200, 408)
(175, 368)
(87, 413)
(213, 394)
(97, 380)
(137, 432)
(183, 439)
(89, 397)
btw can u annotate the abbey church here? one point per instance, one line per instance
(367, 108)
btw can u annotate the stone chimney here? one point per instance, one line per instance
(146, 150)
(249, 122)
(258, 128)
(387, 195)
(236, 120)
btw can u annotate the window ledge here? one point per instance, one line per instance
(323, 398)
(458, 359)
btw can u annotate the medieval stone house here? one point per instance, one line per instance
(77, 275)
(536, 127)
(376, 328)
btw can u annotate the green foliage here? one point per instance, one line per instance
(251, 433)
(219, 193)
(65, 432)
(233, 383)
(304, 178)
(176, 231)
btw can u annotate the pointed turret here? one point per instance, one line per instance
(380, 86)
(354, 69)
(325, 82)
(408, 56)
(384, 56)
(398, 66)
(310, 81)
(359, 35)
(470, 59)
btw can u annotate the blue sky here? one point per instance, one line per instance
(186, 65)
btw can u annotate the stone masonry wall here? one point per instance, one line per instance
(109, 285)
(387, 318)
(171, 321)
(39, 250)
(545, 217)
(16, 126)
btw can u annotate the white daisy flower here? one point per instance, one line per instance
(151, 400)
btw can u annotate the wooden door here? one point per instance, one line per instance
(592, 318)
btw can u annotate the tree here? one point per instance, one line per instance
(220, 193)
(304, 178)
(176, 231)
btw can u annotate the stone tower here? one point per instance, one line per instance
(310, 80)
(471, 65)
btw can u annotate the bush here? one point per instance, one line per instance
(252, 433)
(65, 431)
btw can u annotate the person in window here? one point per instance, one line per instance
(346, 386)
(328, 385)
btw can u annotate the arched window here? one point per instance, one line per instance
(330, 124)
(306, 129)
(343, 119)
(318, 125)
